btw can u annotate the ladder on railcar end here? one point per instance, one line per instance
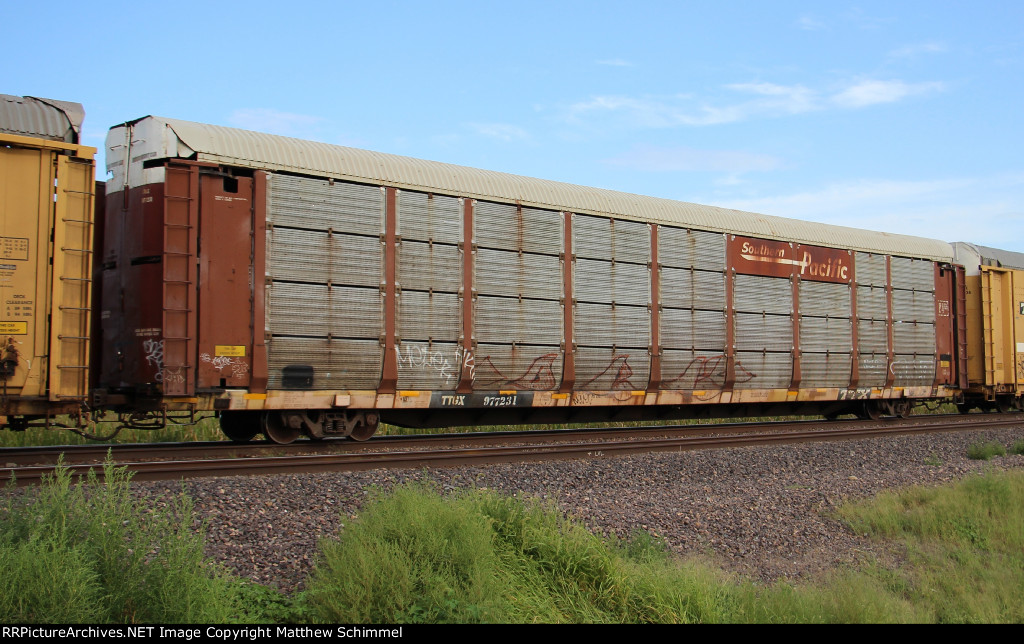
(72, 278)
(180, 227)
(987, 327)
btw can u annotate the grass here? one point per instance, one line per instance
(985, 451)
(415, 556)
(92, 553)
(207, 429)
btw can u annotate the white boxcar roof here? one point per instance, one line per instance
(154, 137)
(973, 257)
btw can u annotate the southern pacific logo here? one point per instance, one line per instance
(781, 259)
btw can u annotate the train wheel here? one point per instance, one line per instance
(871, 410)
(277, 431)
(240, 427)
(902, 408)
(1004, 404)
(964, 408)
(367, 429)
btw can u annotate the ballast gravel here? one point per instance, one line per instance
(761, 512)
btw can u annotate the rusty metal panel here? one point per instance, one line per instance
(913, 306)
(873, 369)
(317, 310)
(682, 248)
(508, 320)
(504, 226)
(872, 303)
(695, 370)
(43, 118)
(768, 258)
(608, 282)
(428, 366)
(519, 367)
(602, 325)
(826, 334)
(226, 289)
(427, 217)
(754, 294)
(913, 370)
(336, 363)
(692, 329)
(319, 256)
(607, 239)
(763, 370)
(871, 270)
(872, 336)
(755, 332)
(512, 274)
(824, 299)
(323, 204)
(426, 316)
(687, 288)
(825, 369)
(602, 369)
(910, 337)
(913, 274)
(425, 267)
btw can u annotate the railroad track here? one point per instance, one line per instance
(185, 460)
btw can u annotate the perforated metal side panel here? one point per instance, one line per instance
(763, 370)
(695, 370)
(870, 269)
(913, 274)
(612, 287)
(429, 275)
(600, 369)
(687, 288)
(755, 294)
(518, 310)
(682, 248)
(316, 256)
(324, 266)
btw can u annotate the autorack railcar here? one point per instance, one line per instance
(298, 287)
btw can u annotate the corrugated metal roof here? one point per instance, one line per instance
(43, 118)
(972, 256)
(266, 151)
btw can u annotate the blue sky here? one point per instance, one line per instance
(902, 117)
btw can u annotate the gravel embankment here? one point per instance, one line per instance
(762, 512)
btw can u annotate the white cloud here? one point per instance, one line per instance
(615, 62)
(983, 210)
(764, 100)
(911, 51)
(501, 131)
(809, 23)
(683, 159)
(874, 92)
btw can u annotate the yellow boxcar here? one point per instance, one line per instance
(995, 325)
(47, 192)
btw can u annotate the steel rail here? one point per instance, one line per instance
(473, 455)
(48, 455)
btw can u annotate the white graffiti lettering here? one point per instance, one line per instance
(154, 350)
(423, 358)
